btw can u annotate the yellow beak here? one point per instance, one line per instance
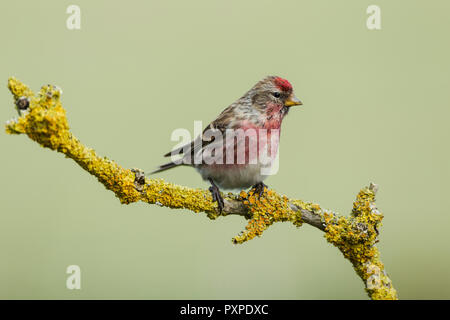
(292, 101)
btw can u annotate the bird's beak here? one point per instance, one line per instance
(292, 101)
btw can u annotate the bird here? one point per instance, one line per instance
(238, 148)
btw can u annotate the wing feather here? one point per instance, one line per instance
(218, 126)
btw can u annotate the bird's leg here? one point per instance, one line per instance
(259, 188)
(215, 192)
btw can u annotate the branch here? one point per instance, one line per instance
(43, 119)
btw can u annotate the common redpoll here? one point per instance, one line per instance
(238, 149)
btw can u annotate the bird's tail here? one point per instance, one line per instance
(166, 166)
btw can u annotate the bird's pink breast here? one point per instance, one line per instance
(254, 143)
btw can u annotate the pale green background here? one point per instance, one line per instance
(376, 108)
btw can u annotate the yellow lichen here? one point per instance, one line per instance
(356, 237)
(265, 210)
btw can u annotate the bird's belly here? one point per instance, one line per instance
(233, 176)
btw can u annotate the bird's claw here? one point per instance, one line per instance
(259, 189)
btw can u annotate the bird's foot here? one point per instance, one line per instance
(216, 196)
(259, 188)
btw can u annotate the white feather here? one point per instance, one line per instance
(233, 177)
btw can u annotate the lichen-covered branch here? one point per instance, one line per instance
(43, 119)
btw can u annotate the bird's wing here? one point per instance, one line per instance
(215, 128)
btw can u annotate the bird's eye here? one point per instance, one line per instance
(276, 94)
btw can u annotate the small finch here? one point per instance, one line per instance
(235, 150)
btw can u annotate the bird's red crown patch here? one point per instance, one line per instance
(283, 84)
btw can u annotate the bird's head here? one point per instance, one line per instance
(273, 93)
